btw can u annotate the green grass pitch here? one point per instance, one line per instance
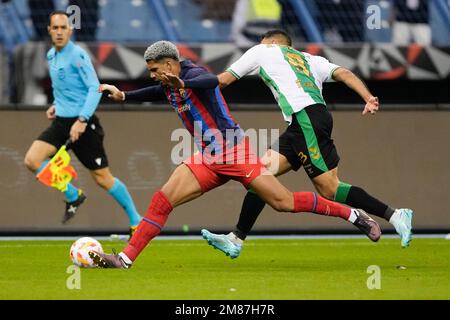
(266, 269)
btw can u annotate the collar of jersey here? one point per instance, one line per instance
(66, 48)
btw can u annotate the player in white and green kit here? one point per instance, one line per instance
(295, 79)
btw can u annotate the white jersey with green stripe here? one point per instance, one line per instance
(294, 77)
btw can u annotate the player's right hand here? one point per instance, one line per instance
(371, 106)
(115, 93)
(171, 80)
(50, 113)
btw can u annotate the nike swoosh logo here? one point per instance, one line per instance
(249, 174)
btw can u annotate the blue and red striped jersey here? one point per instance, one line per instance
(201, 109)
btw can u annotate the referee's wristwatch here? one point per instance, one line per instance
(82, 119)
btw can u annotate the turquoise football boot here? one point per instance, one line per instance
(403, 225)
(223, 243)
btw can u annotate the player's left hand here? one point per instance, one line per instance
(78, 128)
(171, 80)
(372, 106)
(114, 94)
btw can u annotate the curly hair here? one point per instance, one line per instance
(160, 50)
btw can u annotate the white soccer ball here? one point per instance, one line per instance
(79, 251)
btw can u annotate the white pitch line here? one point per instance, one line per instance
(157, 243)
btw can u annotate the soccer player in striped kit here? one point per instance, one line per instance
(75, 89)
(295, 79)
(224, 154)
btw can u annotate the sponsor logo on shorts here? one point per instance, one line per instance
(315, 153)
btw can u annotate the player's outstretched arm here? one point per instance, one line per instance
(357, 85)
(152, 93)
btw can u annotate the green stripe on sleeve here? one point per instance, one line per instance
(332, 71)
(233, 73)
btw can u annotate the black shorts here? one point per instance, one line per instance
(307, 141)
(88, 148)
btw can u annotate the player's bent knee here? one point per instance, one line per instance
(326, 190)
(104, 182)
(280, 205)
(327, 193)
(168, 193)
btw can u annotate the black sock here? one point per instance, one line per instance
(358, 198)
(251, 208)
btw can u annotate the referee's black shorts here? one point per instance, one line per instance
(307, 141)
(88, 148)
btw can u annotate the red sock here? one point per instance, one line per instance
(310, 202)
(150, 226)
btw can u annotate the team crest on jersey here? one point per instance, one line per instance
(61, 73)
(182, 92)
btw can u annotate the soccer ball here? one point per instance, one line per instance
(79, 251)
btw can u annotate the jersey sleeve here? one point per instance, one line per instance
(199, 78)
(194, 72)
(85, 69)
(247, 64)
(323, 67)
(152, 93)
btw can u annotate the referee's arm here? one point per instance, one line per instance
(88, 75)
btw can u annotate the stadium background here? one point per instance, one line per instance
(400, 155)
